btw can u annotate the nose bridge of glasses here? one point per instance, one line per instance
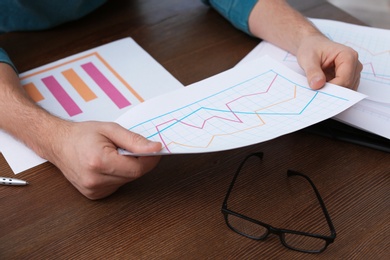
(275, 231)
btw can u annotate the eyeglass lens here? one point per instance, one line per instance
(246, 227)
(303, 243)
(294, 241)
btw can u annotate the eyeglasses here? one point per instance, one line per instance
(257, 230)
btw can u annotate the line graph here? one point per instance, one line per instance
(236, 119)
(372, 68)
(373, 47)
(258, 108)
(374, 60)
(370, 60)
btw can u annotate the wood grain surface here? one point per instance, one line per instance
(174, 211)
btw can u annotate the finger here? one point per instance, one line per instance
(128, 167)
(343, 79)
(111, 163)
(130, 141)
(346, 70)
(98, 185)
(358, 74)
(356, 84)
(315, 76)
(95, 185)
(99, 190)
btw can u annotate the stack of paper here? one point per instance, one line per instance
(373, 45)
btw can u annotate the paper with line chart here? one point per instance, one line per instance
(248, 104)
(98, 84)
(373, 45)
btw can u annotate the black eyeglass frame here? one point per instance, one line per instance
(277, 231)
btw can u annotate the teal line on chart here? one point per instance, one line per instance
(235, 113)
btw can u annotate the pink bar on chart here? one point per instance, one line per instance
(111, 91)
(62, 97)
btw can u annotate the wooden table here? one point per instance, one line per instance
(174, 212)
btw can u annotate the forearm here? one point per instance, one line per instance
(22, 118)
(276, 22)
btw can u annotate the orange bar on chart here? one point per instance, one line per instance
(33, 92)
(79, 85)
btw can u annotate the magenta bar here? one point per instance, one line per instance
(108, 88)
(62, 97)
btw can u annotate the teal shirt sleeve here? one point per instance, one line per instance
(28, 15)
(236, 11)
(5, 59)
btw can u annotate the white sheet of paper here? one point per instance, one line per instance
(373, 113)
(119, 76)
(372, 44)
(255, 102)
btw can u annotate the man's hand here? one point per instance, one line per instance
(85, 152)
(326, 61)
(322, 59)
(87, 156)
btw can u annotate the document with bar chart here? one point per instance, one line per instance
(249, 104)
(373, 45)
(98, 84)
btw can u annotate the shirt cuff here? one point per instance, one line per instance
(5, 59)
(236, 11)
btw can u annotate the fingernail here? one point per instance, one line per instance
(314, 82)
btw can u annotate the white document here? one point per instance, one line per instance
(373, 45)
(251, 103)
(99, 84)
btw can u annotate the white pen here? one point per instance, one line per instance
(12, 181)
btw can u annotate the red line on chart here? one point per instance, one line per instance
(373, 71)
(238, 120)
(291, 58)
(367, 50)
(370, 64)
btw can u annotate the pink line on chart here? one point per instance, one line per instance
(373, 71)
(62, 97)
(373, 54)
(204, 122)
(111, 91)
(386, 52)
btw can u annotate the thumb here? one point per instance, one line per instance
(131, 141)
(315, 77)
(138, 144)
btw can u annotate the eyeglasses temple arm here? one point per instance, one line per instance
(258, 154)
(320, 200)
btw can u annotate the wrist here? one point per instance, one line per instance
(278, 23)
(24, 119)
(47, 134)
